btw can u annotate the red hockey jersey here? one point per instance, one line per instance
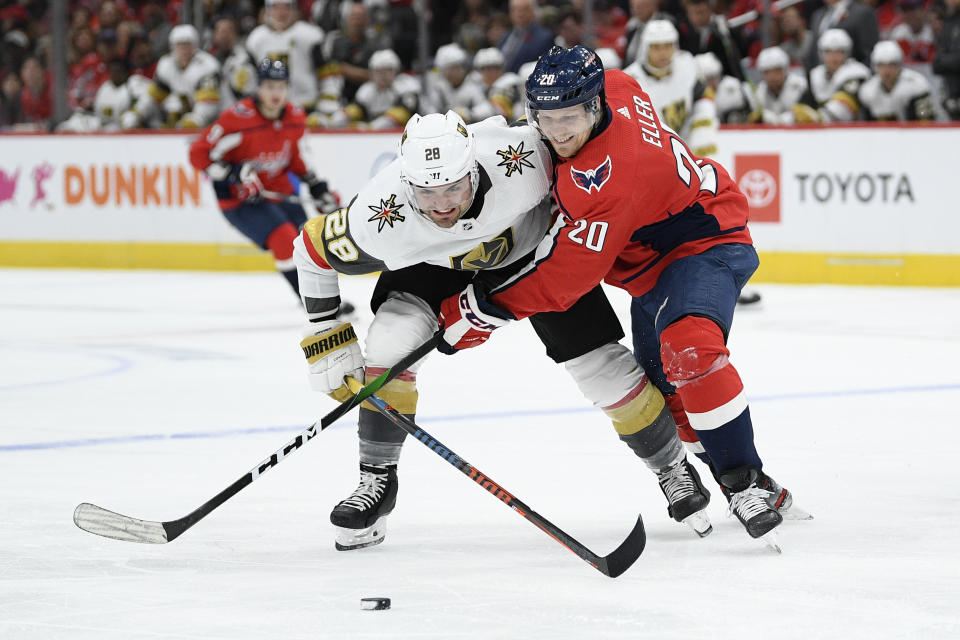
(241, 135)
(634, 200)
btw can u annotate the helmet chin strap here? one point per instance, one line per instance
(658, 72)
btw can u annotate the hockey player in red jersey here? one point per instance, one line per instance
(248, 152)
(640, 212)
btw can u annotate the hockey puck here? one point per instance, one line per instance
(374, 604)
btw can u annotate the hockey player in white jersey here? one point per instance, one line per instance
(504, 89)
(185, 92)
(834, 84)
(452, 88)
(669, 76)
(733, 99)
(461, 205)
(895, 93)
(386, 101)
(779, 90)
(298, 44)
(238, 76)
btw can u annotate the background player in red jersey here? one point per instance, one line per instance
(248, 152)
(643, 214)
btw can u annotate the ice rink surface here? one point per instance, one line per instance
(147, 393)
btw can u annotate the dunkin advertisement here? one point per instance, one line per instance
(818, 196)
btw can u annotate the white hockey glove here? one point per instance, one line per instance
(333, 352)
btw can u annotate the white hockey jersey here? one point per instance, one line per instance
(777, 108)
(680, 103)
(387, 108)
(111, 102)
(908, 100)
(733, 100)
(190, 96)
(381, 230)
(837, 94)
(443, 96)
(295, 46)
(238, 77)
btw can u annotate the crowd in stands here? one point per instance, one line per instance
(139, 63)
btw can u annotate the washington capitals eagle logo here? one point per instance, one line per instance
(515, 159)
(387, 213)
(592, 178)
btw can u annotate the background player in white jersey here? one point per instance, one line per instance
(779, 90)
(452, 88)
(386, 101)
(834, 85)
(185, 92)
(669, 76)
(298, 44)
(462, 205)
(895, 93)
(504, 89)
(733, 98)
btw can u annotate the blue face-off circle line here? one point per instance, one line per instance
(521, 413)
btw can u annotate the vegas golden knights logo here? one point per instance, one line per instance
(489, 254)
(674, 115)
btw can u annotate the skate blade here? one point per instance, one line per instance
(350, 539)
(772, 540)
(795, 513)
(699, 522)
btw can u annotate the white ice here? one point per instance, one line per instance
(147, 393)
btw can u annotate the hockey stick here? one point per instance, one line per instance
(613, 564)
(108, 524)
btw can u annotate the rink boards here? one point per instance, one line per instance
(852, 205)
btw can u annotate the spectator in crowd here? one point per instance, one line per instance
(914, 34)
(795, 39)
(835, 84)
(946, 60)
(238, 77)
(526, 40)
(11, 112)
(698, 34)
(641, 12)
(157, 27)
(140, 55)
(35, 99)
(107, 45)
(452, 89)
(895, 93)
(569, 28)
(352, 46)
(470, 25)
(854, 17)
(15, 49)
(90, 70)
(779, 91)
(109, 16)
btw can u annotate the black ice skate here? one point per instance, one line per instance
(687, 496)
(780, 498)
(361, 519)
(749, 501)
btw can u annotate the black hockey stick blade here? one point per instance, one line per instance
(109, 524)
(623, 557)
(612, 565)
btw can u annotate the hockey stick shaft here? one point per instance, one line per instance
(100, 521)
(611, 565)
